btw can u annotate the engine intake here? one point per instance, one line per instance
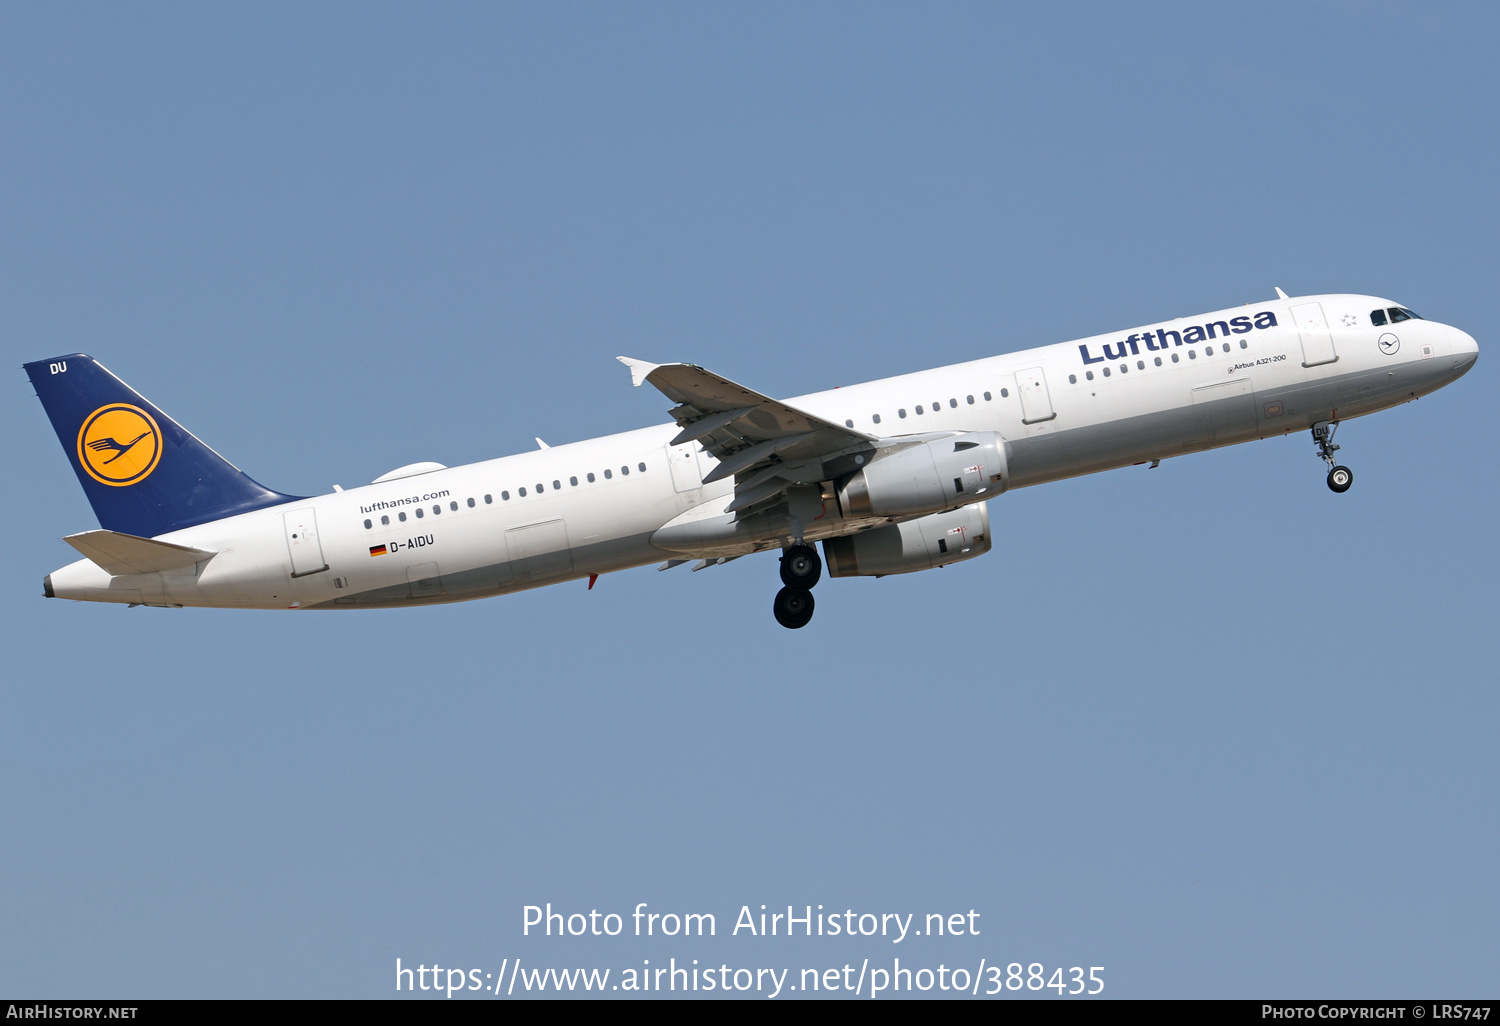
(929, 477)
(921, 544)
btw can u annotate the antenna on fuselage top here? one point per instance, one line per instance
(1280, 294)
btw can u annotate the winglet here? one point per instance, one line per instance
(1280, 294)
(638, 369)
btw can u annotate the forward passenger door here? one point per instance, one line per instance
(1317, 340)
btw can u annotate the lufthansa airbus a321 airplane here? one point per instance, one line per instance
(891, 476)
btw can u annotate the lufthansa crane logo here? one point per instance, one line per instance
(119, 444)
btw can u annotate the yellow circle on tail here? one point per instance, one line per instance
(119, 444)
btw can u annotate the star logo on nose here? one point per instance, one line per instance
(1350, 320)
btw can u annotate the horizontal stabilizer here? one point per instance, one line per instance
(410, 470)
(119, 554)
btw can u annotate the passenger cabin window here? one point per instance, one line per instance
(876, 418)
(573, 481)
(1072, 379)
(488, 500)
(556, 486)
(471, 501)
(591, 478)
(454, 505)
(608, 475)
(368, 525)
(971, 400)
(419, 512)
(385, 521)
(641, 467)
(401, 516)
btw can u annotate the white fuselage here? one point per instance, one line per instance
(590, 508)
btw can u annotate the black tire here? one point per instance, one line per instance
(801, 567)
(1340, 478)
(794, 607)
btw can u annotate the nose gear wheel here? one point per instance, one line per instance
(1339, 478)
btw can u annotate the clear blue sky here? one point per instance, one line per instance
(1209, 726)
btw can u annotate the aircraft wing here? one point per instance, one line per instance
(763, 443)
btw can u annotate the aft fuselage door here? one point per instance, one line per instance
(539, 551)
(302, 542)
(1317, 340)
(1036, 402)
(424, 580)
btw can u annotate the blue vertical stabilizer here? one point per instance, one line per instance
(143, 472)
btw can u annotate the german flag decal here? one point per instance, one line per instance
(377, 550)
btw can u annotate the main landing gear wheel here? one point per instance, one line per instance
(1340, 478)
(801, 567)
(794, 607)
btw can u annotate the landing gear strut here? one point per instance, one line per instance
(800, 570)
(1339, 478)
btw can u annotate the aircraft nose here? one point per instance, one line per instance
(1465, 351)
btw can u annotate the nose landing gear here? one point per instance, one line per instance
(1339, 478)
(800, 570)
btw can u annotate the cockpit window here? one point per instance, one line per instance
(1398, 314)
(1377, 317)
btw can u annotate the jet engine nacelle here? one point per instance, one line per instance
(921, 544)
(928, 477)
